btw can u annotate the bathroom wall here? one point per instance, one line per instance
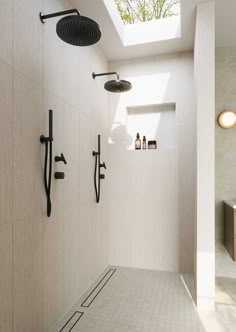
(204, 164)
(225, 138)
(47, 263)
(151, 192)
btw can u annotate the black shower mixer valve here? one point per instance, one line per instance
(103, 165)
(61, 158)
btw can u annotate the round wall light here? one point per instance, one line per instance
(227, 119)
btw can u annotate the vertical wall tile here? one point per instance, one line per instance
(88, 143)
(71, 205)
(6, 275)
(53, 62)
(27, 163)
(6, 197)
(53, 303)
(53, 226)
(6, 31)
(71, 149)
(27, 38)
(6, 138)
(52, 6)
(28, 275)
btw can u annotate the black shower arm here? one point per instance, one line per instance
(65, 12)
(106, 74)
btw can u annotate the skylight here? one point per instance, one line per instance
(154, 21)
(139, 11)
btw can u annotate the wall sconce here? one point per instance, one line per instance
(227, 119)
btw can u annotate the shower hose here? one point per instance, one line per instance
(97, 187)
(48, 170)
(47, 180)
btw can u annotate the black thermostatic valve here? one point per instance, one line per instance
(59, 175)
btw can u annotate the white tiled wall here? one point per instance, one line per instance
(45, 264)
(151, 205)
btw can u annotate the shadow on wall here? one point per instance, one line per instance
(120, 136)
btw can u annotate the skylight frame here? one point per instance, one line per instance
(144, 32)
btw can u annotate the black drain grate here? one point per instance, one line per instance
(72, 321)
(98, 288)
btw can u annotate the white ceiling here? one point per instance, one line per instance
(115, 50)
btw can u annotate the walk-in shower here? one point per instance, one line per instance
(97, 171)
(115, 85)
(76, 30)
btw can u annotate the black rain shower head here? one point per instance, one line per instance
(117, 85)
(75, 30)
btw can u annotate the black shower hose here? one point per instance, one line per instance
(97, 188)
(47, 182)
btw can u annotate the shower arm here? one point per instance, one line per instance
(106, 74)
(65, 12)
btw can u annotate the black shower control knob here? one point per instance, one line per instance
(61, 158)
(59, 175)
(102, 176)
(103, 165)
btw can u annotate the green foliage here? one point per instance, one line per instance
(135, 11)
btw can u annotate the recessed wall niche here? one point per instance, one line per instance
(156, 122)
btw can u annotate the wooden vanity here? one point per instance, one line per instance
(230, 227)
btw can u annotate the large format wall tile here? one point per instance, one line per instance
(6, 139)
(53, 278)
(52, 6)
(53, 64)
(27, 38)
(88, 143)
(27, 161)
(53, 226)
(71, 205)
(6, 197)
(6, 31)
(6, 275)
(72, 152)
(28, 275)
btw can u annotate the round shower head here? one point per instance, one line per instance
(78, 30)
(117, 86)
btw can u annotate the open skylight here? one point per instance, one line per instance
(145, 21)
(138, 11)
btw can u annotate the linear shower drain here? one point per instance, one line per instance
(97, 289)
(72, 321)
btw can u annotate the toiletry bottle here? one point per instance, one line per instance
(144, 143)
(137, 142)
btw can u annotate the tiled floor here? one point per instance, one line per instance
(224, 317)
(226, 303)
(225, 266)
(138, 301)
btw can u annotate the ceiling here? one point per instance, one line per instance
(115, 50)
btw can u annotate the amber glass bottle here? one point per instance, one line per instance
(137, 142)
(144, 146)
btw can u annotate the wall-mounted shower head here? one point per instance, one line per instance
(75, 30)
(115, 85)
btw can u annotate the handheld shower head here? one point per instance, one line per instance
(75, 30)
(117, 85)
